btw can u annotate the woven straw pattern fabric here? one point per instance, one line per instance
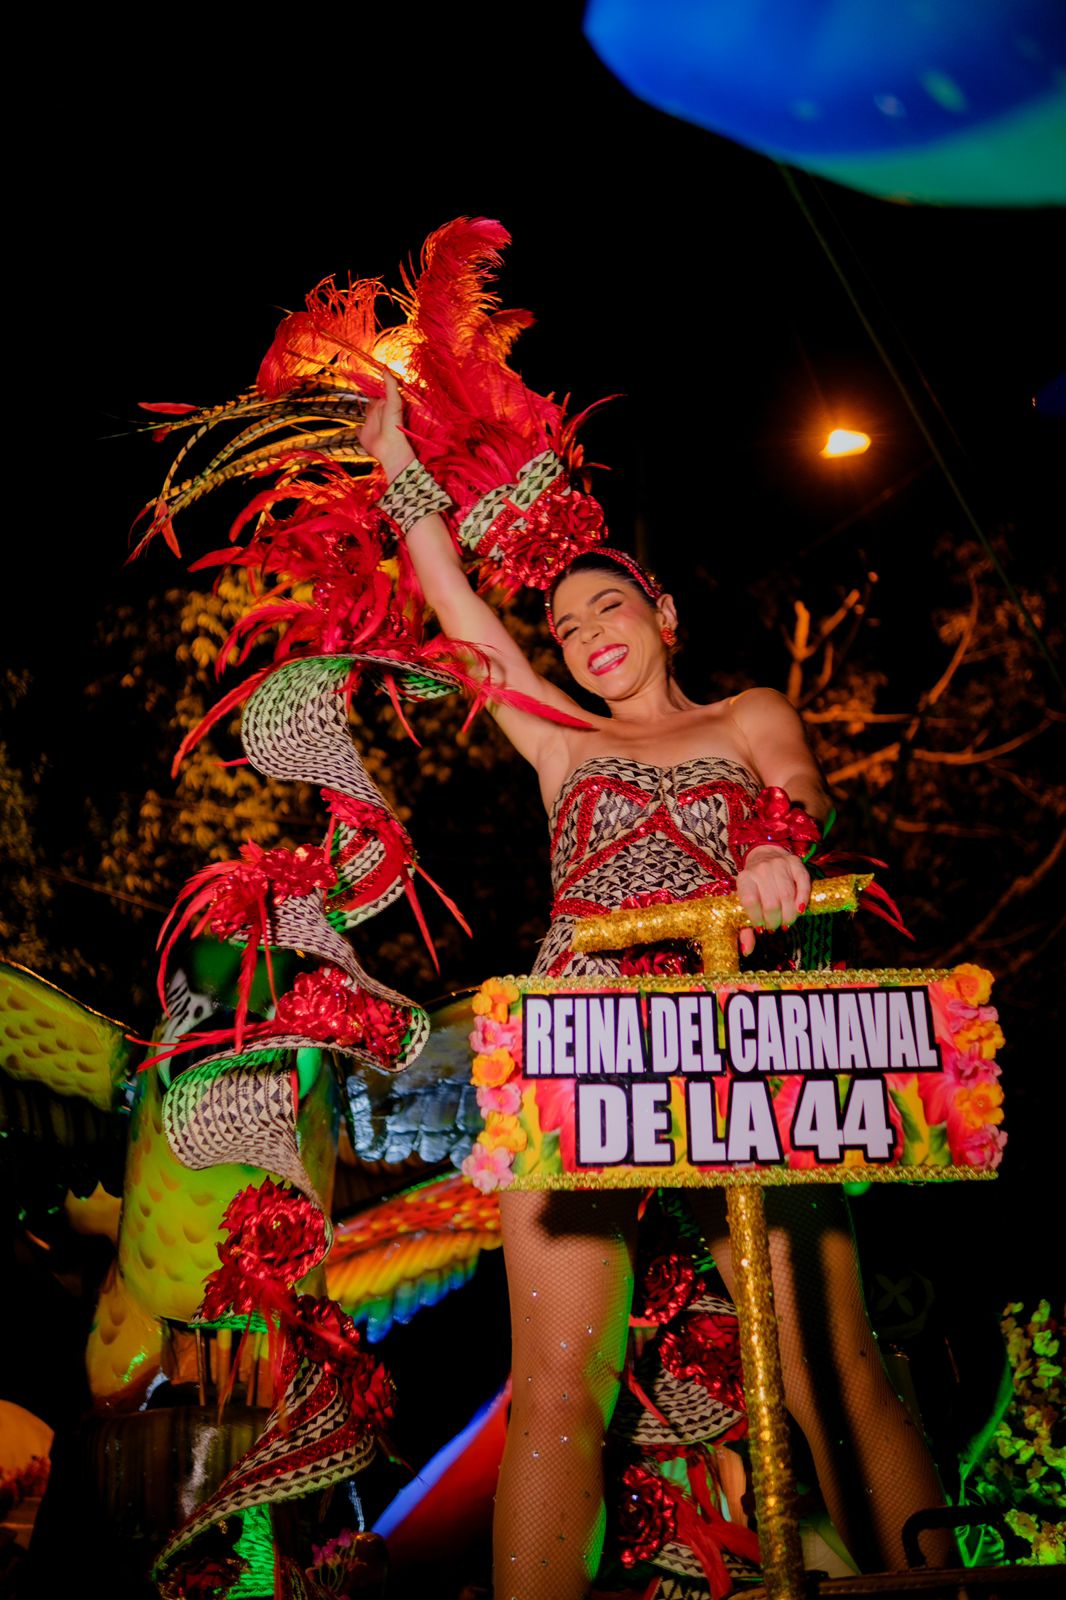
(310, 1441)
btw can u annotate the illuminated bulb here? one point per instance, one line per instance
(845, 442)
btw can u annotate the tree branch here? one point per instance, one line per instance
(969, 758)
(890, 752)
(1020, 886)
(965, 640)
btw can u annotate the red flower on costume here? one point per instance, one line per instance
(273, 1231)
(202, 1577)
(324, 1005)
(647, 1516)
(276, 1236)
(705, 1346)
(530, 547)
(326, 1336)
(670, 1282)
(773, 820)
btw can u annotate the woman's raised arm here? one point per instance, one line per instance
(462, 613)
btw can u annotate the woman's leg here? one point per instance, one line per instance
(570, 1279)
(873, 1466)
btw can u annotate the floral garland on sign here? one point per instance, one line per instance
(967, 1098)
(497, 1045)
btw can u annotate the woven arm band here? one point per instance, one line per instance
(537, 475)
(412, 495)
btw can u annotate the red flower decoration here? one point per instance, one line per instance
(669, 1284)
(773, 820)
(647, 1516)
(202, 1577)
(324, 1005)
(274, 1232)
(705, 1346)
(325, 1335)
(276, 1235)
(561, 525)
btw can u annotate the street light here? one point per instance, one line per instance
(845, 442)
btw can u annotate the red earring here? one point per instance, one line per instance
(668, 637)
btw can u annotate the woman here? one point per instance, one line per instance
(641, 799)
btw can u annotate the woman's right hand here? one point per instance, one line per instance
(382, 432)
(774, 888)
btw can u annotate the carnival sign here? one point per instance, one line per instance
(768, 1078)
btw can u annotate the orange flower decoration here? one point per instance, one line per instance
(983, 1038)
(972, 984)
(503, 1133)
(493, 1069)
(494, 999)
(980, 1105)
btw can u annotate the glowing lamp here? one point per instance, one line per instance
(845, 442)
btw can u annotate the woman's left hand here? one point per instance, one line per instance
(774, 887)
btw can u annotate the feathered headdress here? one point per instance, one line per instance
(332, 584)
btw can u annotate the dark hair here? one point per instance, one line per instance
(604, 559)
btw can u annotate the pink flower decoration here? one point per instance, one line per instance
(961, 1069)
(982, 1147)
(489, 1035)
(488, 1169)
(506, 1097)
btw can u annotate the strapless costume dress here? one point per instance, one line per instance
(626, 834)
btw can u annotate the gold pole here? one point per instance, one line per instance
(764, 1396)
(713, 924)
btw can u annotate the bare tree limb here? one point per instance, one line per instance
(954, 830)
(1021, 886)
(1023, 958)
(98, 888)
(844, 714)
(965, 640)
(969, 758)
(889, 752)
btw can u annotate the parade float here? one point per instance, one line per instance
(230, 1276)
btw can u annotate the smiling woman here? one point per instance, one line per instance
(655, 799)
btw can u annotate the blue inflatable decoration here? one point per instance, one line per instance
(948, 101)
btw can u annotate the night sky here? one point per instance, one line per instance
(203, 185)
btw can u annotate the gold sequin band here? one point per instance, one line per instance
(688, 982)
(746, 1177)
(412, 495)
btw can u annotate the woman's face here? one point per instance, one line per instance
(610, 633)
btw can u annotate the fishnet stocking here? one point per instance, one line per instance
(570, 1278)
(570, 1274)
(872, 1464)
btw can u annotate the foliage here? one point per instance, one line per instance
(1024, 1469)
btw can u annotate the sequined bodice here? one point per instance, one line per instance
(624, 831)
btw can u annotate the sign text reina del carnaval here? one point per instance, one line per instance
(771, 1078)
